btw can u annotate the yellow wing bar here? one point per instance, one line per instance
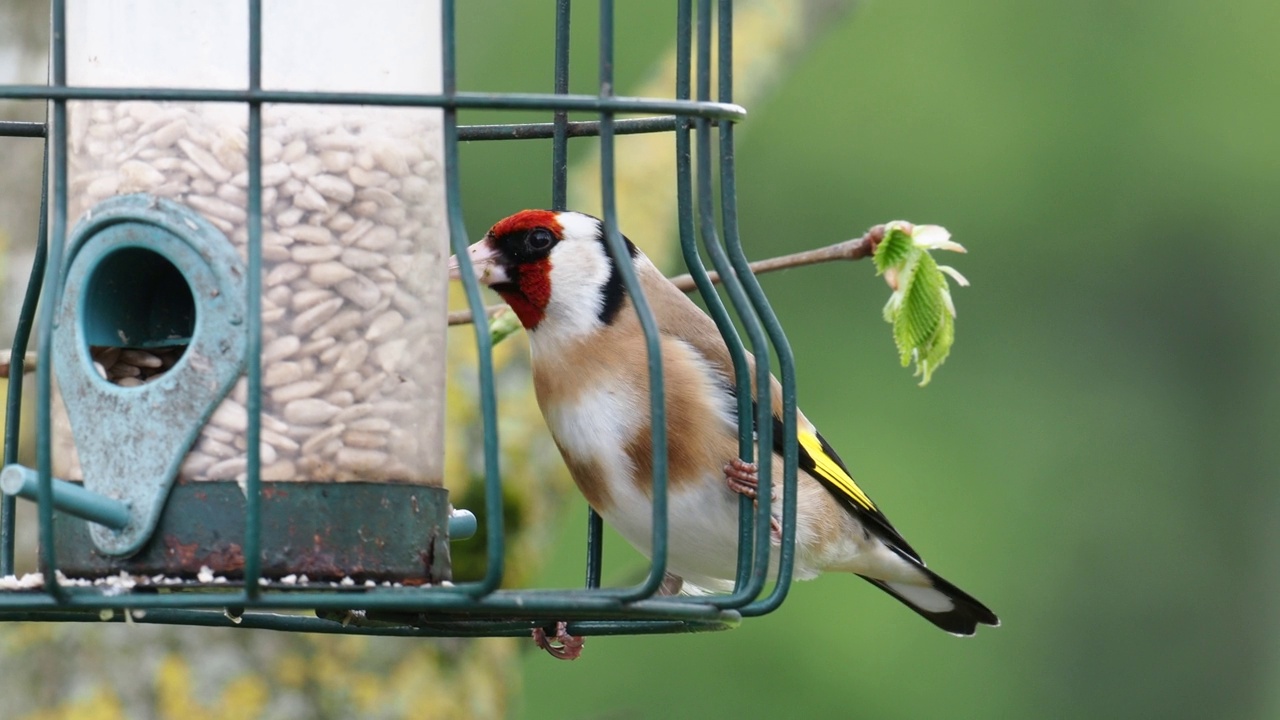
(830, 469)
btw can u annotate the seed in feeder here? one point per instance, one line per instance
(272, 174)
(306, 168)
(220, 434)
(348, 381)
(352, 357)
(364, 208)
(137, 176)
(363, 178)
(308, 198)
(339, 324)
(271, 314)
(216, 207)
(331, 353)
(232, 416)
(280, 440)
(232, 194)
(216, 449)
(140, 358)
(360, 259)
(386, 325)
(390, 355)
(266, 453)
(227, 469)
(304, 300)
(169, 134)
(309, 320)
(297, 391)
(358, 229)
(309, 411)
(327, 184)
(284, 273)
(289, 217)
(361, 460)
(281, 373)
(123, 370)
(341, 222)
(308, 254)
(314, 234)
(294, 151)
(354, 412)
(280, 470)
(333, 187)
(340, 398)
(318, 440)
(370, 385)
(205, 161)
(367, 440)
(329, 273)
(360, 290)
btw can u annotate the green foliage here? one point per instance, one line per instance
(920, 309)
(503, 325)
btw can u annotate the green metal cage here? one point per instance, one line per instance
(703, 143)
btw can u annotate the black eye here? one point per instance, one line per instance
(539, 240)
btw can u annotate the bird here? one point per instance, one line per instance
(590, 376)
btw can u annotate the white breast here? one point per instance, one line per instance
(703, 530)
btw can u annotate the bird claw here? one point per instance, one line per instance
(743, 479)
(562, 646)
(671, 585)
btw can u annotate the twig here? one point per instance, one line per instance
(6, 357)
(854, 249)
(463, 317)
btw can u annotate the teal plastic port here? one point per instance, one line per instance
(137, 298)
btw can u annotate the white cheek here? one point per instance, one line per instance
(579, 271)
(578, 226)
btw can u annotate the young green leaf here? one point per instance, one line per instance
(503, 325)
(920, 308)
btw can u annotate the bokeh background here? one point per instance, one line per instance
(1096, 461)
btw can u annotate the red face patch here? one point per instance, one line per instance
(527, 220)
(531, 292)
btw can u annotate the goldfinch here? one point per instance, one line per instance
(590, 376)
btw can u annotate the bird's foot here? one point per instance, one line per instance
(671, 585)
(562, 645)
(743, 479)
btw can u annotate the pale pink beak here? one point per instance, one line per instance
(484, 262)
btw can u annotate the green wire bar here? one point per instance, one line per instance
(480, 607)
(457, 101)
(9, 128)
(17, 371)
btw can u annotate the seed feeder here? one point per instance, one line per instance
(151, 338)
(241, 373)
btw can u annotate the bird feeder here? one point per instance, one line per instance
(250, 207)
(151, 342)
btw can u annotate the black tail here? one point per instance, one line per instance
(940, 602)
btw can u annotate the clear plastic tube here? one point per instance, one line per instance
(354, 220)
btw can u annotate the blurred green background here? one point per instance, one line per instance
(1097, 459)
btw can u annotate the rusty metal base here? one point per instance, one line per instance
(326, 531)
